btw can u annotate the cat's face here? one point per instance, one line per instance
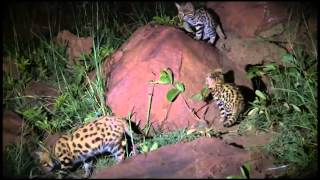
(185, 10)
(46, 162)
(214, 78)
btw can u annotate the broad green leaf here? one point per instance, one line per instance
(172, 94)
(164, 77)
(197, 97)
(154, 146)
(170, 75)
(260, 94)
(247, 165)
(245, 172)
(180, 86)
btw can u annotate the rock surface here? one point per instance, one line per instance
(248, 51)
(12, 128)
(247, 19)
(76, 46)
(151, 49)
(201, 158)
(39, 89)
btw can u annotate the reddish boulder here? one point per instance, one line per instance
(39, 89)
(248, 51)
(247, 19)
(76, 46)
(151, 49)
(12, 128)
(10, 67)
(201, 158)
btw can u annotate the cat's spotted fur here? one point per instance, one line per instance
(227, 96)
(105, 134)
(200, 20)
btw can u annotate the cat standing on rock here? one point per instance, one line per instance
(200, 20)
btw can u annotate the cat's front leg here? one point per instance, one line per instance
(199, 30)
(187, 27)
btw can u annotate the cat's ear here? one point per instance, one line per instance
(217, 73)
(189, 6)
(217, 70)
(177, 5)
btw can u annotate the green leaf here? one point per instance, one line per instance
(172, 94)
(288, 58)
(270, 67)
(245, 171)
(247, 165)
(144, 148)
(180, 86)
(250, 75)
(170, 75)
(154, 146)
(295, 107)
(260, 94)
(197, 97)
(205, 92)
(292, 71)
(164, 77)
(253, 111)
(201, 95)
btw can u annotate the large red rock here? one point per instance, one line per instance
(247, 19)
(76, 46)
(201, 158)
(248, 51)
(12, 128)
(151, 49)
(39, 89)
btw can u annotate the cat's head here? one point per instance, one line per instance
(185, 9)
(46, 160)
(214, 78)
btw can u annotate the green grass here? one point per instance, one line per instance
(38, 57)
(20, 156)
(290, 111)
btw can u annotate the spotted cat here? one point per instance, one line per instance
(201, 21)
(227, 96)
(105, 134)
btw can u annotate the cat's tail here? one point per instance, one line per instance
(220, 32)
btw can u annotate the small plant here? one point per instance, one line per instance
(200, 96)
(207, 131)
(245, 172)
(147, 147)
(289, 110)
(166, 20)
(166, 77)
(163, 139)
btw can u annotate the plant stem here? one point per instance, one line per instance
(150, 94)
